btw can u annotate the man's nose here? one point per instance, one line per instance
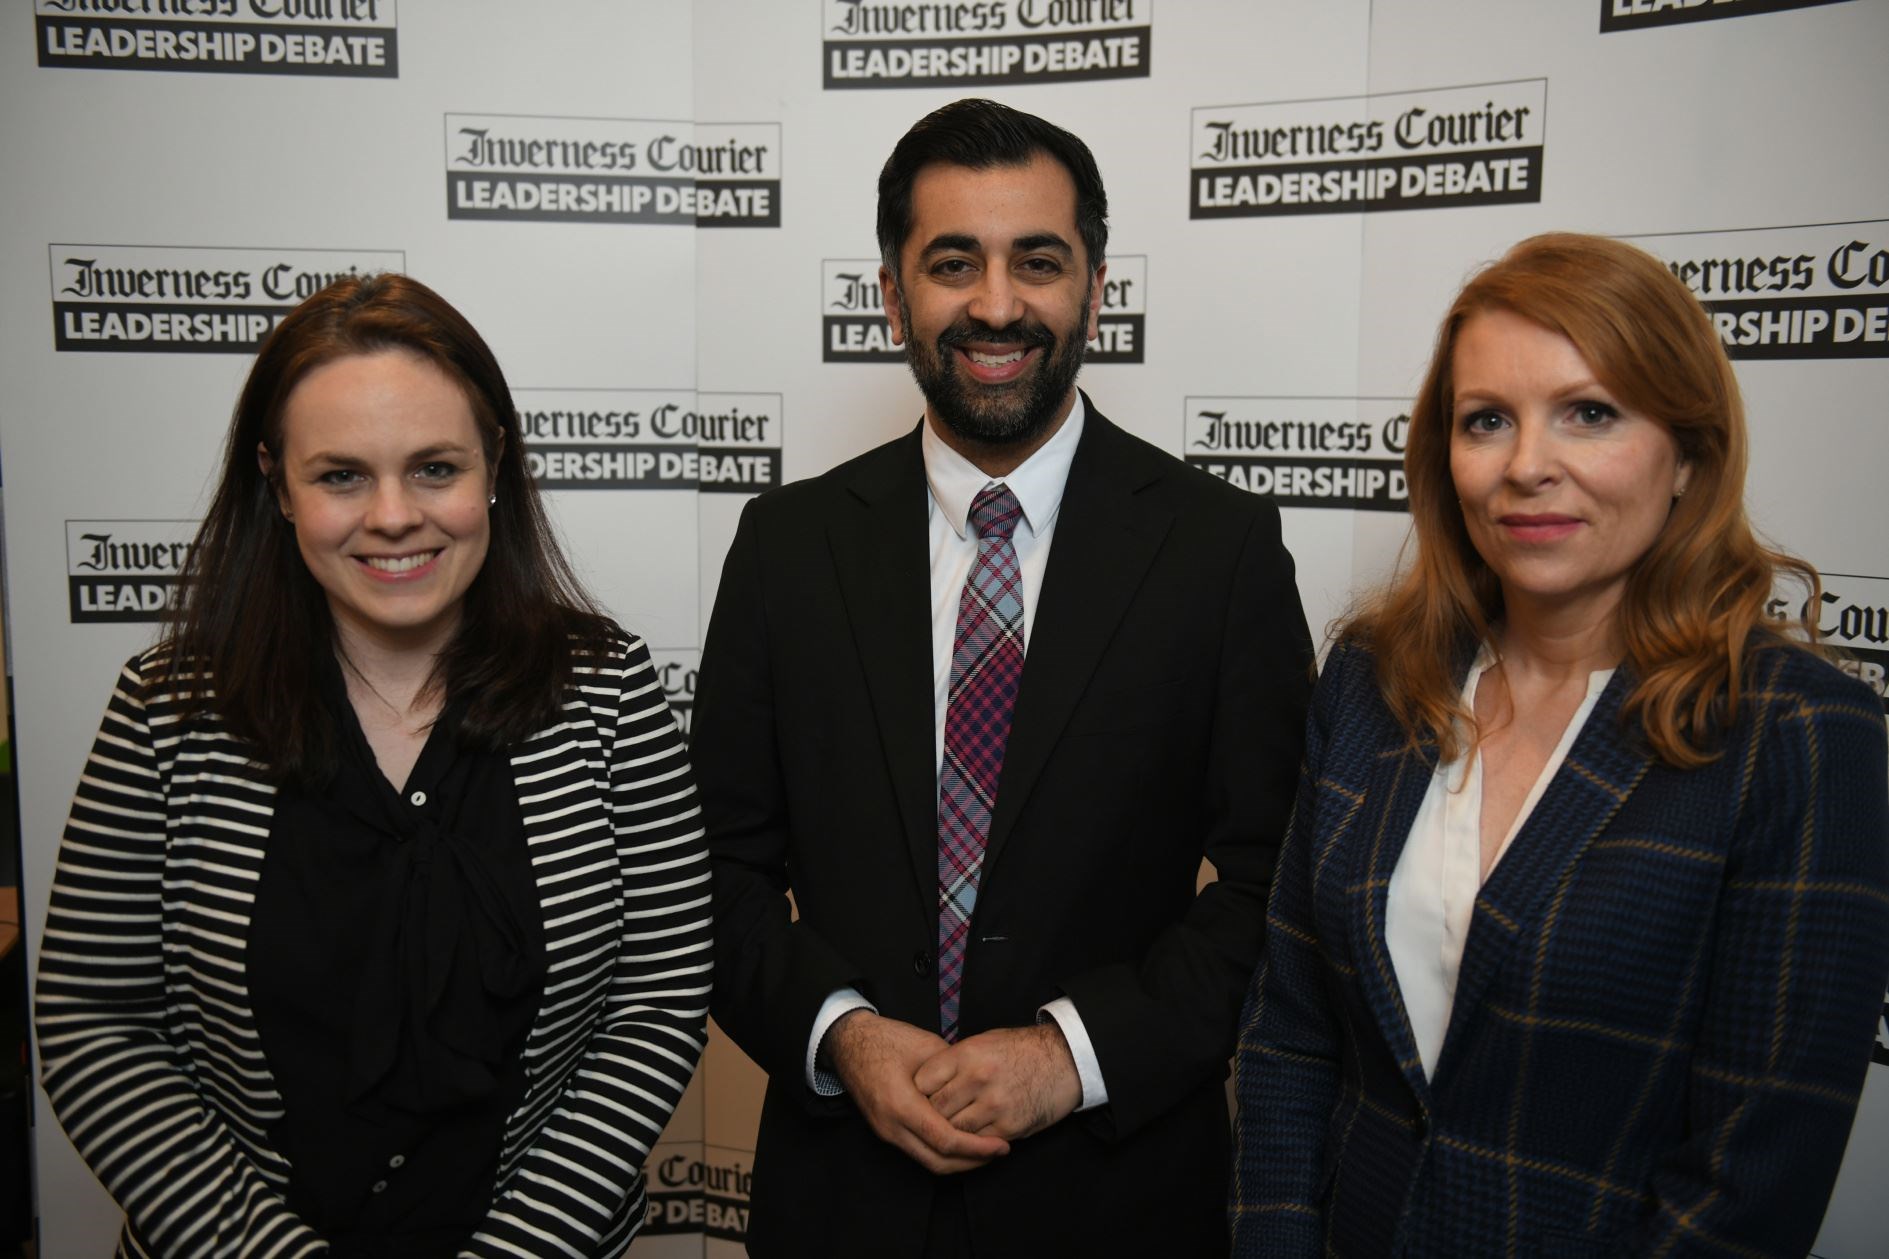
(995, 303)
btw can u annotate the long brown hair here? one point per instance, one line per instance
(249, 610)
(1694, 605)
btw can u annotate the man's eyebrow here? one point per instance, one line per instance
(960, 242)
(951, 242)
(1042, 240)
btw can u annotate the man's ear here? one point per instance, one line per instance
(889, 300)
(1096, 284)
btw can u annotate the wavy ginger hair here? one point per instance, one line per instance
(1694, 606)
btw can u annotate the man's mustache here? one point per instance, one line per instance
(965, 331)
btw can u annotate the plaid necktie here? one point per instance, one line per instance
(986, 665)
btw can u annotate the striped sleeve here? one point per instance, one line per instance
(118, 1081)
(577, 1189)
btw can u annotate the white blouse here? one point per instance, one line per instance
(1433, 889)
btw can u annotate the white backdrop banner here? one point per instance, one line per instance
(603, 189)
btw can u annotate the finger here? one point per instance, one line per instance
(913, 1147)
(949, 1142)
(924, 1156)
(935, 1072)
(954, 1097)
(985, 1115)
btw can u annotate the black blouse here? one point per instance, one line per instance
(396, 959)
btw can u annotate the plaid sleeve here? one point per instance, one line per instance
(1796, 983)
(1286, 1062)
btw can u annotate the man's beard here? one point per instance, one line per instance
(1015, 413)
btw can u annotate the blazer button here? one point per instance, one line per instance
(921, 963)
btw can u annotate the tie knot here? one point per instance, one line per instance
(995, 512)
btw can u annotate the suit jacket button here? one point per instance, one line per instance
(921, 963)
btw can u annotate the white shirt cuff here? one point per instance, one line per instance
(1088, 1070)
(840, 1001)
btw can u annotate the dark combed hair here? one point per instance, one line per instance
(252, 617)
(980, 135)
(1694, 608)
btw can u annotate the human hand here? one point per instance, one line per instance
(876, 1058)
(1010, 1082)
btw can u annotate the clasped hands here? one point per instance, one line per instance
(951, 1107)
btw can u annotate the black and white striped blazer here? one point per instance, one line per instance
(149, 1046)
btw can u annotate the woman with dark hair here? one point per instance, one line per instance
(380, 926)
(1582, 925)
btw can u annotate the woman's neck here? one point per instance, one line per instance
(389, 675)
(1558, 643)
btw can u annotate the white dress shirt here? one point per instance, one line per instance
(1433, 890)
(954, 482)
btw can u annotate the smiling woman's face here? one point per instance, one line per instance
(1563, 488)
(385, 480)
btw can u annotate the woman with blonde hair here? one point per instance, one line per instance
(1578, 938)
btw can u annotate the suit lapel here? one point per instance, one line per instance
(1106, 536)
(882, 559)
(1399, 781)
(1521, 897)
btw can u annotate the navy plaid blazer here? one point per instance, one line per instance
(1664, 1011)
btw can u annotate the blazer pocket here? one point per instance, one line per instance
(1143, 706)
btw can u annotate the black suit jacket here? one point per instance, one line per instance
(1159, 721)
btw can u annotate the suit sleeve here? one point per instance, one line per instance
(124, 1091)
(575, 1189)
(772, 971)
(1164, 1027)
(1285, 1067)
(1797, 972)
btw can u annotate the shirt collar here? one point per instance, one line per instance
(1037, 482)
(1597, 679)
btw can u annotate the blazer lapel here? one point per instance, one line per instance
(1521, 897)
(882, 559)
(1395, 793)
(1105, 539)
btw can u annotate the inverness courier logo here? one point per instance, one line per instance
(1122, 328)
(677, 670)
(1305, 452)
(1454, 146)
(124, 570)
(182, 300)
(651, 439)
(888, 43)
(706, 1193)
(852, 320)
(1789, 292)
(1853, 614)
(1634, 15)
(613, 170)
(351, 38)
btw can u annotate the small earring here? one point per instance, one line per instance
(1679, 493)
(492, 500)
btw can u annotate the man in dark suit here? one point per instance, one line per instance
(982, 699)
